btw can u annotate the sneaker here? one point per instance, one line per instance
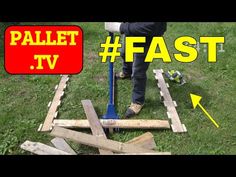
(133, 110)
(122, 75)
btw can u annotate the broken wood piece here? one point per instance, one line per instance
(170, 103)
(117, 123)
(61, 144)
(167, 85)
(54, 105)
(55, 115)
(161, 93)
(56, 87)
(49, 104)
(146, 141)
(41, 149)
(94, 141)
(95, 124)
(185, 129)
(175, 103)
(62, 94)
(40, 127)
(168, 115)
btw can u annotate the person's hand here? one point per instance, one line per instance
(112, 26)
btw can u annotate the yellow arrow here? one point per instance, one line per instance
(196, 101)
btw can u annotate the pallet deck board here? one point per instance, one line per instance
(41, 149)
(95, 124)
(154, 153)
(145, 140)
(61, 144)
(94, 141)
(119, 123)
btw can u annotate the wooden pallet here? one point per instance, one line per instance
(143, 144)
(50, 120)
(171, 105)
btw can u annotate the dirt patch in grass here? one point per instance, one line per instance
(91, 57)
(100, 78)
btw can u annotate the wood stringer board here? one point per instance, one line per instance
(54, 104)
(171, 105)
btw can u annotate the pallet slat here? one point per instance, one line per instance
(95, 124)
(146, 141)
(61, 144)
(97, 142)
(110, 123)
(154, 153)
(41, 149)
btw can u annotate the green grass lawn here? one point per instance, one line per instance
(24, 99)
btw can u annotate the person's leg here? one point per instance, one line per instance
(127, 67)
(139, 79)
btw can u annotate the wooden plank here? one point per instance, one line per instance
(119, 123)
(175, 120)
(154, 153)
(97, 142)
(40, 127)
(41, 149)
(95, 124)
(146, 141)
(61, 144)
(135, 123)
(47, 125)
(158, 70)
(176, 124)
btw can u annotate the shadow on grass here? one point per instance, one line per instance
(153, 104)
(181, 94)
(99, 112)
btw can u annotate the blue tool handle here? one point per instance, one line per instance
(111, 112)
(111, 74)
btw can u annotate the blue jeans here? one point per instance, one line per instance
(137, 70)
